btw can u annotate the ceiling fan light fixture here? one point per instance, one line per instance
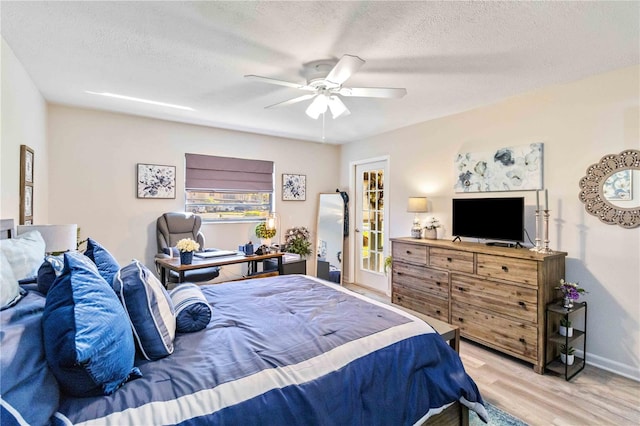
(318, 106)
(337, 107)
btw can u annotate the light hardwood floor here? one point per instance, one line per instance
(593, 397)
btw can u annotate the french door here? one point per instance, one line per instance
(371, 225)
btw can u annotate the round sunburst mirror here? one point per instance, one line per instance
(611, 189)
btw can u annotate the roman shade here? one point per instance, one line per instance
(212, 173)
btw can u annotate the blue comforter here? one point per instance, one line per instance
(285, 351)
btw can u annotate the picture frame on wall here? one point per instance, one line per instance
(294, 187)
(27, 166)
(156, 181)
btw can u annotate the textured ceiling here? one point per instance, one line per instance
(450, 56)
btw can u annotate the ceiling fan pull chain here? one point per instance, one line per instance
(323, 115)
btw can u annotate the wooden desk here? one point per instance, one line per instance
(173, 264)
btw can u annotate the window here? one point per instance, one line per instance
(228, 189)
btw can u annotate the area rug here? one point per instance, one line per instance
(497, 417)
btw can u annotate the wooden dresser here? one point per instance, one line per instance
(496, 295)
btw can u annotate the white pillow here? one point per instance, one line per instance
(25, 254)
(9, 288)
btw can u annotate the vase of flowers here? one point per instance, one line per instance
(431, 230)
(570, 293)
(187, 246)
(265, 234)
(297, 240)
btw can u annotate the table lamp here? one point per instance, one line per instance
(417, 205)
(57, 238)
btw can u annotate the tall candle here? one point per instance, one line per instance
(546, 199)
(537, 200)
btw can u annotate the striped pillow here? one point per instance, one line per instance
(193, 312)
(150, 309)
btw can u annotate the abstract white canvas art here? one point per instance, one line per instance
(515, 168)
(156, 181)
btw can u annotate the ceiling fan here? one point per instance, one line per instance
(324, 81)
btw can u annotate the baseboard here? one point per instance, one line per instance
(612, 366)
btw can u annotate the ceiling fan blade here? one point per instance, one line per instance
(346, 66)
(279, 82)
(337, 107)
(373, 92)
(292, 101)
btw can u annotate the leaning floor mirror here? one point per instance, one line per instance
(329, 244)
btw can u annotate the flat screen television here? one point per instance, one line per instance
(489, 218)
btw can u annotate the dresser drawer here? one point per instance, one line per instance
(420, 278)
(412, 253)
(518, 302)
(454, 260)
(508, 268)
(418, 301)
(517, 338)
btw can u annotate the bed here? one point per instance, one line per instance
(291, 349)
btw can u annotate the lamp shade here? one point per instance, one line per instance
(57, 238)
(417, 205)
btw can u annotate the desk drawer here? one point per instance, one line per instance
(508, 268)
(454, 260)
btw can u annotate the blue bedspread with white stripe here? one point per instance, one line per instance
(290, 350)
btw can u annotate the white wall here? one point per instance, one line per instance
(93, 157)
(578, 123)
(23, 122)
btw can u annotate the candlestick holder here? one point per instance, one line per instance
(545, 249)
(538, 239)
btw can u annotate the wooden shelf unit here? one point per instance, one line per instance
(496, 295)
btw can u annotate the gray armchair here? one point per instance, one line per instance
(171, 228)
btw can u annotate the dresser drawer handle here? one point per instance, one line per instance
(461, 319)
(449, 259)
(521, 303)
(522, 340)
(438, 312)
(399, 273)
(408, 251)
(505, 269)
(462, 289)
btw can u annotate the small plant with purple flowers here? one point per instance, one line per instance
(570, 291)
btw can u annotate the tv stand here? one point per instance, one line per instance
(501, 244)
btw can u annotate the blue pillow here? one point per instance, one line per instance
(171, 251)
(89, 348)
(150, 309)
(193, 312)
(50, 269)
(30, 392)
(107, 265)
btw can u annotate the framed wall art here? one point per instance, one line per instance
(514, 168)
(26, 185)
(294, 187)
(156, 181)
